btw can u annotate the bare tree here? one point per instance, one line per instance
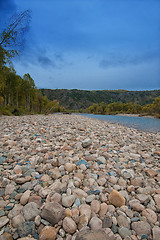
(12, 37)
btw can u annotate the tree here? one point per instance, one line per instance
(12, 37)
(29, 90)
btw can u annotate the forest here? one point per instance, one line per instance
(19, 95)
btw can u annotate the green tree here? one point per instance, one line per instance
(28, 87)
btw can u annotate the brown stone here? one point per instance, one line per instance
(83, 221)
(116, 198)
(36, 199)
(151, 173)
(157, 153)
(6, 236)
(48, 233)
(137, 182)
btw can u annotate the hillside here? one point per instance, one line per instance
(77, 99)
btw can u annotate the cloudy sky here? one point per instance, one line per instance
(90, 44)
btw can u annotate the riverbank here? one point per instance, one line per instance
(135, 115)
(70, 177)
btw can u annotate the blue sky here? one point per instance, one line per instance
(90, 44)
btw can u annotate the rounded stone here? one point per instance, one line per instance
(116, 198)
(69, 167)
(17, 220)
(95, 224)
(83, 221)
(85, 209)
(103, 210)
(67, 201)
(48, 233)
(69, 225)
(123, 221)
(150, 215)
(95, 206)
(124, 232)
(25, 196)
(141, 227)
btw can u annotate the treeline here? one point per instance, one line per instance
(19, 95)
(126, 108)
(81, 99)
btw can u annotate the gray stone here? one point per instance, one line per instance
(15, 211)
(26, 228)
(95, 224)
(67, 201)
(9, 189)
(123, 221)
(124, 232)
(86, 143)
(30, 211)
(90, 198)
(93, 235)
(107, 222)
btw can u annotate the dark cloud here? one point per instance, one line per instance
(46, 61)
(121, 59)
(59, 57)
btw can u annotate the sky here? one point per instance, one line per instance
(90, 44)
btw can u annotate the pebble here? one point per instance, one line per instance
(30, 211)
(48, 233)
(53, 212)
(124, 232)
(141, 227)
(3, 221)
(70, 177)
(85, 209)
(116, 198)
(25, 196)
(67, 201)
(150, 215)
(95, 223)
(107, 222)
(69, 225)
(17, 220)
(95, 206)
(26, 228)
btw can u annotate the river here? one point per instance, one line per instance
(140, 123)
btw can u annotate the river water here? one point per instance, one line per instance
(141, 123)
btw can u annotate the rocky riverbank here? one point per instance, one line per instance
(75, 178)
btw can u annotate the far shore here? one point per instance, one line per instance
(135, 115)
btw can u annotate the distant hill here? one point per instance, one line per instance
(77, 99)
